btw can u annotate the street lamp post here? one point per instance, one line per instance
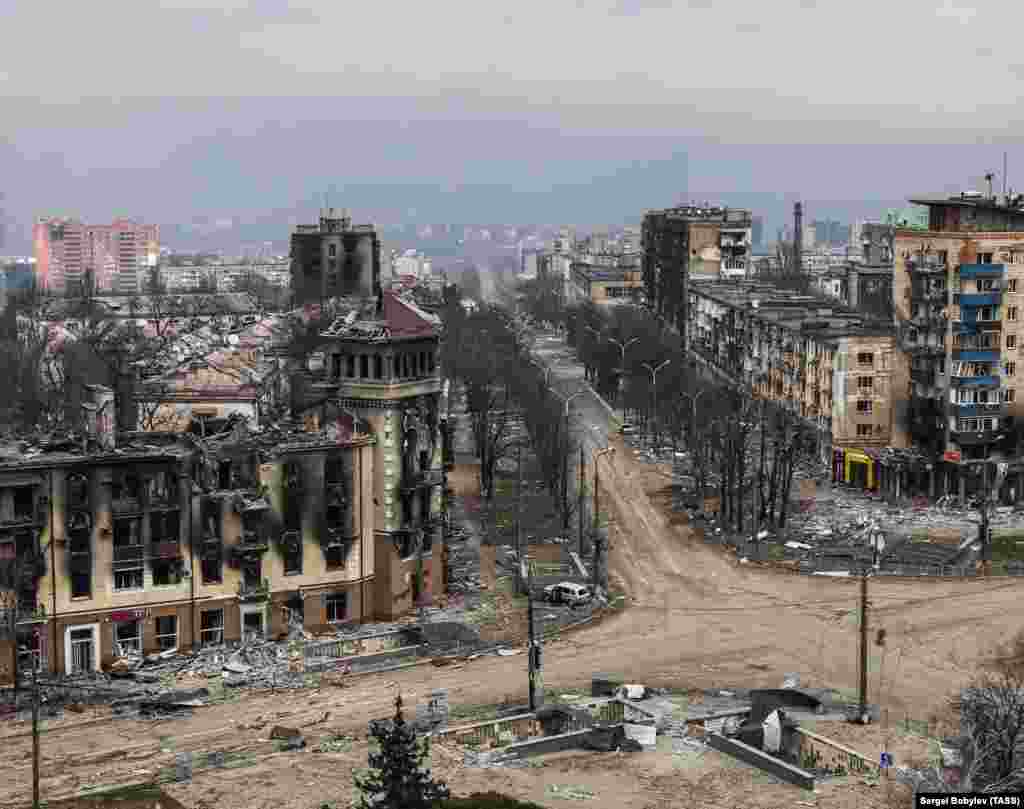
(654, 393)
(565, 457)
(622, 366)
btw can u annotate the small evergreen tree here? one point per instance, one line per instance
(398, 778)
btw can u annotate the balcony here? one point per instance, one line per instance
(980, 299)
(982, 270)
(126, 505)
(165, 550)
(977, 381)
(128, 556)
(252, 542)
(968, 409)
(990, 355)
(27, 615)
(925, 266)
(250, 591)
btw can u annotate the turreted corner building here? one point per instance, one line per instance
(334, 259)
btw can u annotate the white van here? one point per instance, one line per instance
(567, 593)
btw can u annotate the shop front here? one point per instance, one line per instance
(858, 468)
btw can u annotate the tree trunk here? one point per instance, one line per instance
(790, 458)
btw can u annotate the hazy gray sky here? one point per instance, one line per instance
(476, 111)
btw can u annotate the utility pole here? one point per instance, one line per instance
(863, 713)
(599, 545)
(35, 739)
(519, 499)
(534, 655)
(579, 508)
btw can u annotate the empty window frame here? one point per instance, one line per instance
(167, 632)
(336, 607)
(211, 627)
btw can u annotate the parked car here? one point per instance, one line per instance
(567, 593)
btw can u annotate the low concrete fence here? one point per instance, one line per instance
(817, 752)
(761, 760)
(522, 727)
(385, 658)
(361, 645)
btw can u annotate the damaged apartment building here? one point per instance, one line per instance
(957, 290)
(133, 543)
(833, 368)
(691, 242)
(116, 543)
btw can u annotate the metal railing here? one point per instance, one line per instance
(817, 752)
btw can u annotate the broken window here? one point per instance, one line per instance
(167, 632)
(163, 489)
(131, 579)
(125, 491)
(165, 528)
(252, 574)
(81, 565)
(292, 497)
(336, 607)
(166, 572)
(866, 358)
(128, 554)
(212, 568)
(212, 553)
(252, 624)
(224, 475)
(292, 553)
(211, 627)
(77, 492)
(128, 637)
(335, 556)
(24, 503)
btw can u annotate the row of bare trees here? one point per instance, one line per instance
(741, 449)
(487, 354)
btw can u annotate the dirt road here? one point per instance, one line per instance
(696, 619)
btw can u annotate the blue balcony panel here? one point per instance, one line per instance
(982, 270)
(976, 381)
(975, 355)
(980, 299)
(968, 410)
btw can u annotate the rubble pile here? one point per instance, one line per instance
(463, 554)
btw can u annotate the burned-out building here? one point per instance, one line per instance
(379, 361)
(114, 545)
(691, 242)
(334, 259)
(956, 292)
